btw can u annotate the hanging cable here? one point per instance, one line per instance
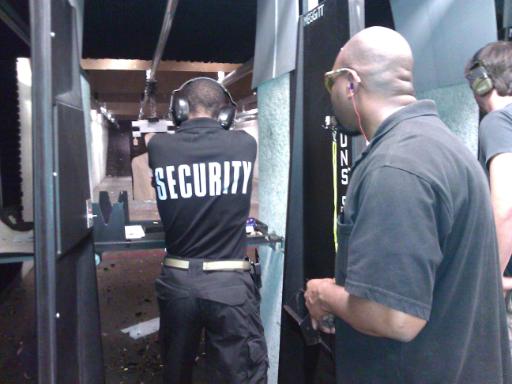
(331, 124)
(335, 189)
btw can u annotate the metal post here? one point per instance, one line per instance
(507, 19)
(356, 19)
(150, 88)
(44, 193)
(356, 16)
(1, 192)
(170, 11)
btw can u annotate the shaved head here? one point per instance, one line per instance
(382, 58)
(377, 82)
(205, 97)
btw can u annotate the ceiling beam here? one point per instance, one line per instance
(129, 97)
(239, 73)
(9, 16)
(166, 65)
(132, 109)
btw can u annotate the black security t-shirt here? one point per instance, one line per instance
(418, 236)
(203, 181)
(495, 135)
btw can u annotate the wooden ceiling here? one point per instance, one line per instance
(206, 37)
(206, 34)
(121, 90)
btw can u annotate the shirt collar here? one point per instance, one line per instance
(415, 109)
(201, 124)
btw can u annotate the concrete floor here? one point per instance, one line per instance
(125, 284)
(17, 333)
(126, 296)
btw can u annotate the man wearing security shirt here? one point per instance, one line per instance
(203, 176)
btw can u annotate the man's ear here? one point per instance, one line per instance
(353, 83)
(485, 102)
(351, 88)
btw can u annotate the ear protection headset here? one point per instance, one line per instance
(179, 107)
(479, 79)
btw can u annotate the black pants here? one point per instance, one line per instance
(226, 305)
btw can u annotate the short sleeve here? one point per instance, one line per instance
(150, 153)
(495, 135)
(394, 246)
(249, 144)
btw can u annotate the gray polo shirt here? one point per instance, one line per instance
(494, 135)
(418, 236)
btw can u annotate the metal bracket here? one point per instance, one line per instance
(89, 213)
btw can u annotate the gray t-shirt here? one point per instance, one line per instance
(418, 236)
(494, 138)
(494, 135)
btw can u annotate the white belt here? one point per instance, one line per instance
(218, 265)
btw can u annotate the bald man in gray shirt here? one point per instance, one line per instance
(417, 293)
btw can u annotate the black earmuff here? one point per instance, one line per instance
(479, 79)
(179, 107)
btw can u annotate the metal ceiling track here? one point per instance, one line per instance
(150, 89)
(239, 73)
(170, 11)
(9, 16)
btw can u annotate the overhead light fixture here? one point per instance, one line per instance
(24, 72)
(105, 113)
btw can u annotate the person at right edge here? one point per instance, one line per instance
(489, 73)
(417, 295)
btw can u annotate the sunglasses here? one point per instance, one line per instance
(331, 76)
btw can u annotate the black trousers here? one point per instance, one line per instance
(226, 304)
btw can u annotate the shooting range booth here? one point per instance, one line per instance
(304, 162)
(315, 198)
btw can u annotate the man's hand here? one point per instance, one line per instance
(323, 297)
(316, 307)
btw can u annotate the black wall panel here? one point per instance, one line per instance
(10, 161)
(79, 358)
(309, 232)
(73, 176)
(323, 37)
(68, 325)
(292, 350)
